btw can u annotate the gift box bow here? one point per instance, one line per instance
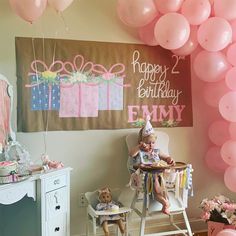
(78, 71)
(45, 74)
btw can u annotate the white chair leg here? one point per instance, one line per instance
(143, 218)
(127, 224)
(187, 223)
(87, 227)
(94, 226)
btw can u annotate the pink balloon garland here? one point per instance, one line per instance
(212, 25)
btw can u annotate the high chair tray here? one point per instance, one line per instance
(178, 166)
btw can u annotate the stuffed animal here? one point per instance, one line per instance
(106, 203)
(49, 164)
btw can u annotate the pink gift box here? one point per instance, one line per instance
(78, 90)
(215, 227)
(79, 100)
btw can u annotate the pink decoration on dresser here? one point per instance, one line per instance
(78, 90)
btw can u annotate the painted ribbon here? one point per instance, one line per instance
(110, 76)
(75, 73)
(47, 75)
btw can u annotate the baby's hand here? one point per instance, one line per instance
(170, 161)
(143, 146)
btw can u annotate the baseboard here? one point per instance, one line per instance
(197, 226)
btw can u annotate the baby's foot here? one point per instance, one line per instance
(166, 208)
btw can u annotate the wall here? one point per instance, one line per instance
(98, 157)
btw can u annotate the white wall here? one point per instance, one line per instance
(98, 157)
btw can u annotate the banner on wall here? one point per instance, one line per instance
(75, 85)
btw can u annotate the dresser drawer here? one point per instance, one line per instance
(55, 182)
(56, 203)
(56, 226)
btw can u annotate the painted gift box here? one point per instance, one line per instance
(78, 90)
(215, 227)
(111, 86)
(45, 85)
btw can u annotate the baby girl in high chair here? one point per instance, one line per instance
(146, 154)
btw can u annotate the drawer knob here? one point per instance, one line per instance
(57, 229)
(56, 181)
(58, 207)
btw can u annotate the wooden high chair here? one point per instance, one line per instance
(177, 194)
(93, 214)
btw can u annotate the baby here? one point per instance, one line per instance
(146, 154)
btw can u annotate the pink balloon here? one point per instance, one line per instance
(230, 78)
(136, 13)
(214, 34)
(190, 45)
(227, 232)
(146, 33)
(228, 152)
(170, 37)
(231, 52)
(230, 179)
(225, 9)
(218, 132)
(227, 106)
(166, 6)
(232, 130)
(60, 5)
(233, 26)
(210, 66)
(28, 10)
(213, 92)
(196, 11)
(214, 161)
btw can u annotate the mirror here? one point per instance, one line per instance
(6, 100)
(10, 149)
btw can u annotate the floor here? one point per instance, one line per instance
(200, 234)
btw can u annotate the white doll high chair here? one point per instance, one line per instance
(177, 191)
(93, 214)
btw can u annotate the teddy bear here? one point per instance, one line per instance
(106, 203)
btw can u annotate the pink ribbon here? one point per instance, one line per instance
(116, 70)
(35, 68)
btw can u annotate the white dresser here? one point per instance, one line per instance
(51, 206)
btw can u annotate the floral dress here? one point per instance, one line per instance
(106, 206)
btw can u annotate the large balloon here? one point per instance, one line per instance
(166, 6)
(196, 11)
(213, 92)
(230, 179)
(214, 161)
(230, 78)
(28, 10)
(218, 132)
(228, 152)
(210, 66)
(190, 45)
(232, 130)
(214, 34)
(227, 106)
(233, 26)
(170, 37)
(60, 5)
(227, 232)
(136, 13)
(225, 9)
(231, 52)
(146, 33)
